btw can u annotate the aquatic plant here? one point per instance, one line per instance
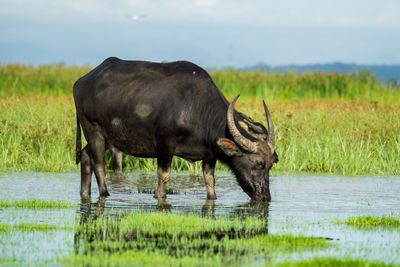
(35, 204)
(7, 228)
(334, 262)
(373, 221)
(162, 238)
(168, 191)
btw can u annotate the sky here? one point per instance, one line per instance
(210, 33)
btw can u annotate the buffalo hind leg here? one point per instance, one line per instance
(208, 173)
(164, 172)
(86, 173)
(116, 158)
(97, 147)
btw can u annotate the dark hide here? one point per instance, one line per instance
(157, 110)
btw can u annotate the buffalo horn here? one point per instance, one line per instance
(243, 142)
(271, 132)
(255, 128)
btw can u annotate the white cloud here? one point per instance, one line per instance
(307, 13)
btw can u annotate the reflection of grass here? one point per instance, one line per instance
(371, 221)
(163, 238)
(319, 262)
(7, 228)
(150, 224)
(168, 191)
(325, 123)
(35, 204)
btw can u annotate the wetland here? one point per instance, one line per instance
(335, 199)
(304, 222)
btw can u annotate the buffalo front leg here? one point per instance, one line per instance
(164, 172)
(208, 173)
(86, 173)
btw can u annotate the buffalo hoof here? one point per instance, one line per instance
(85, 196)
(211, 197)
(105, 194)
(160, 196)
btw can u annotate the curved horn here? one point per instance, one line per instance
(255, 128)
(271, 132)
(237, 136)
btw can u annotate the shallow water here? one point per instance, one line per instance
(301, 205)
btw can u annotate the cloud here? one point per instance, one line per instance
(291, 13)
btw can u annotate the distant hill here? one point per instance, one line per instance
(385, 73)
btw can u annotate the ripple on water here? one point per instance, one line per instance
(301, 205)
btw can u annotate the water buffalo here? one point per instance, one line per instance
(158, 110)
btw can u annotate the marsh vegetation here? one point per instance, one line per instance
(349, 120)
(330, 124)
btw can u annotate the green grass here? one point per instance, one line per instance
(334, 262)
(7, 228)
(289, 85)
(16, 80)
(146, 238)
(372, 221)
(325, 123)
(36, 204)
(155, 259)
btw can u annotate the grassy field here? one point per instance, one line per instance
(325, 123)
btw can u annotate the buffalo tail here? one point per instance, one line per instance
(78, 140)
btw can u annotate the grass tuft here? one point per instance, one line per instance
(36, 204)
(7, 228)
(334, 262)
(371, 221)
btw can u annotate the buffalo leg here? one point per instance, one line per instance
(86, 173)
(164, 172)
(208, 173)
(97, 147)
(116, 158)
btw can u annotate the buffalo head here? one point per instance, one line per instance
(251, 153)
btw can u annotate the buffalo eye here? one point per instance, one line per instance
(260, 164)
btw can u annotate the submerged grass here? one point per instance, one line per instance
(168, 191)
(325, 123)
(371, 221)
(334, 262)
(8, 228)
(36, 204)
(146, 238)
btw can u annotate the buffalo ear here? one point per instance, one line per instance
(229, 147)
(275, 157)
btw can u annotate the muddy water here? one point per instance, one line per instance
(301, 205)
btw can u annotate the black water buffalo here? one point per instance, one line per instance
(158, 110)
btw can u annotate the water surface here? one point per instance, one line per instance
(301, 205)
